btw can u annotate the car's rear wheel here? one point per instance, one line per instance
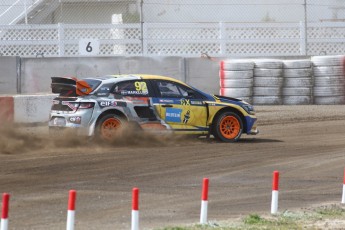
(228, 127)
(110, 127)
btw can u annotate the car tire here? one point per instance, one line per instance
(260, 72)
(227, 127)
(297, 64)
(298, 82)
(335, 60)
(109, 127)
(236, 83)
(236, 74)
(321, 71)
(268, 82)
(268, 64)
(267, 100)
(232, 64)
(297, 100)
(296, 73)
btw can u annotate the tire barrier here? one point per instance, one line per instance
(268, 82)
(329, 87)
(319, 80)
(236, 79)
(298, 82)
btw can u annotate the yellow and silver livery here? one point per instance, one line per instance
(100, 106)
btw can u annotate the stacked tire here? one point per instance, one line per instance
(236, 79)
(268, 82)
(298, 82)
(329, 83)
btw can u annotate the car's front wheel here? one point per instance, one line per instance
(110, 127)
(227, 127)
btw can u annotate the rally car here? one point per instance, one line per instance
(102, 106)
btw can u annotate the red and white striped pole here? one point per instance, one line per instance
(204, 202)
(275, 193)
(4, 215)
(343, 197)
(135, 209)
(71, 210)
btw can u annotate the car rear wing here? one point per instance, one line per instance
(71, 87)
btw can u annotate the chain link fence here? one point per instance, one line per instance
(171, 27)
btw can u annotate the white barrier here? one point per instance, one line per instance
(27, 108)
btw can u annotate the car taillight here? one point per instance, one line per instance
(86, 105)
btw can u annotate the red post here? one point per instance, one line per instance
(275, 193)
(71, 200)
(71, 210)
(135, 209)
(275, 183)
(5, 205)
(204, 195)
(135, 199)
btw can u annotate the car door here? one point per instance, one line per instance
(181, 107)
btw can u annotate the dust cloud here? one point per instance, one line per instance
(16, 139)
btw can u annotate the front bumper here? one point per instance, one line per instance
(79, 122)
(253, 132)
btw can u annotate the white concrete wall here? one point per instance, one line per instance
(36, 73)
(8, 74)
(32, 108)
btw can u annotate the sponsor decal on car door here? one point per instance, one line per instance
(178, 111)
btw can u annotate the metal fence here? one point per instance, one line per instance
(171, 28)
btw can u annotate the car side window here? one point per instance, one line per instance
(173, 89)
(168, 89)
(137, 88)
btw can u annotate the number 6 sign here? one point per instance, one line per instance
(88, 47)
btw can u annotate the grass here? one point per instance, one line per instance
(314, 218)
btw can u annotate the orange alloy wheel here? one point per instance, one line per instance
(230, 127)
(109, 128)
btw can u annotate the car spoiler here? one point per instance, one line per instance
(67, 86)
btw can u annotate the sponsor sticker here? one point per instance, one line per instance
(75, 120)
(185, 101)
(173, 115)
(166, 101)
(196, 102)
(107, 103)
(104, 104)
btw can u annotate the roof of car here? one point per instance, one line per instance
(141, 76)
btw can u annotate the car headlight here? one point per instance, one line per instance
(248, 108)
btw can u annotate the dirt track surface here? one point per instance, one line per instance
(305, 143)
